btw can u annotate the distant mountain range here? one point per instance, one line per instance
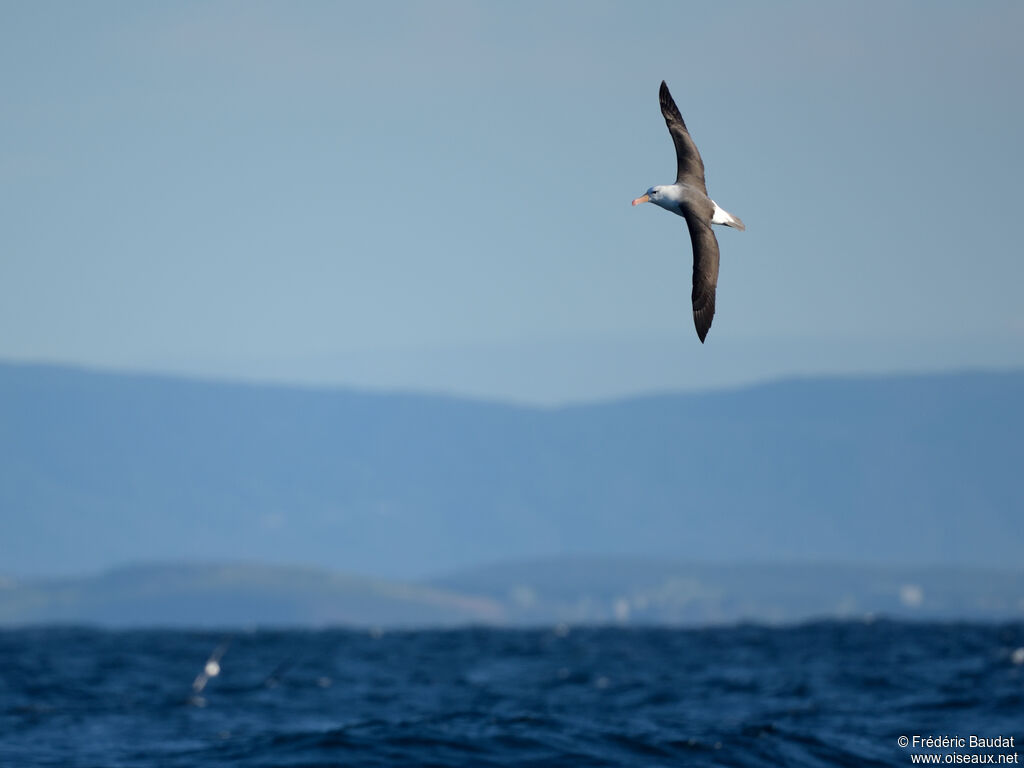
(234, 595)
(571, 591)
(98, 469)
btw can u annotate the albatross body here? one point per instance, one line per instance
(688, 198)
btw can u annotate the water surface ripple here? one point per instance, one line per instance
(821, 694)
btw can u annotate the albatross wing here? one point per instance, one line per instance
(690, 166)
(705, 274)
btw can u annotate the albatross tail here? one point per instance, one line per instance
(722, 216)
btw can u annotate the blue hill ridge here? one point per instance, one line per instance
(99, 468)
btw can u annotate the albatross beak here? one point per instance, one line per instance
(644, 199)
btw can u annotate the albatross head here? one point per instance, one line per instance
(656, 195)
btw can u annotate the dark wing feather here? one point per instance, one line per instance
(690, 168)
(705, 274)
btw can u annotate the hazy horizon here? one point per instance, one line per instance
(485, 387)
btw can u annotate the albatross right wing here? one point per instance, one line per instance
(705, 274)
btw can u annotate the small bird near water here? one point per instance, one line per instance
(688, 198)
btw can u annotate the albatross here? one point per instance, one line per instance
(688, 198)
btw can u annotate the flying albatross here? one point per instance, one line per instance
(688, 198)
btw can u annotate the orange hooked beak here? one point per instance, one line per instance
(642, 199)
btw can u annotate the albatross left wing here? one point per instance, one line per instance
(690, 168)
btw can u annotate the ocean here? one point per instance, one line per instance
(817, 694)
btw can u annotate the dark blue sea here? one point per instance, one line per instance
(821, 694)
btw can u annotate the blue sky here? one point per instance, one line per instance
(436, 195)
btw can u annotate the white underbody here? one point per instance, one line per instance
(671, 197)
